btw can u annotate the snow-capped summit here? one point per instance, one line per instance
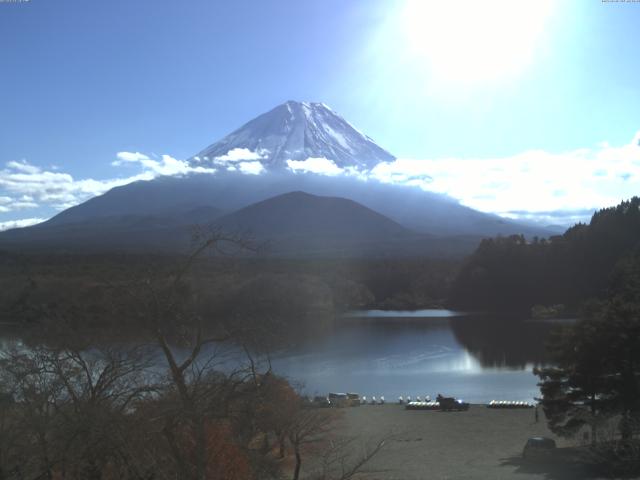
(296, 131)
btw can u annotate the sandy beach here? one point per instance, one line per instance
(476, 444)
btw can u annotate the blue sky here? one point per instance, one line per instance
(81, 81)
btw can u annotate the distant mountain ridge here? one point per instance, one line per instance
(410, 206)
(295, 224)
(156, 213)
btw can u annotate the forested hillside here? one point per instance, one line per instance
(289, 298)
(511, 273)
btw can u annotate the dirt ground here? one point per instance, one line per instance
(476, 444)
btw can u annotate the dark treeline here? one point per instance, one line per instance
(295, 297)
(512, 273)
(386, 283)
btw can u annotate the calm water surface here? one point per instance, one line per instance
(474, 357)
(477, 358)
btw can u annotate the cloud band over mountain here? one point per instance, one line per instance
(304, 138)
(557, 188)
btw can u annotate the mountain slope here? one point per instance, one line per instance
(294, 224)
(137, 232)
(298, 131)
(298, 224)
(412, 207)
(300, 214)
(155, 213)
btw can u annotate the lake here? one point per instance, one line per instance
(474, 357)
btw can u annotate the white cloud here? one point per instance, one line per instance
(242, 154)
(24, 222)
(534, 185)
(26, 186)
(530, 184)
(167, 165)
(171, 167)
(318, 165)
(23, 167)
(23, 205)
(20, 179)
(251, 168)
(129, 157)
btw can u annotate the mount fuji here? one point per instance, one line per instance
(155, 215)
(296, 131)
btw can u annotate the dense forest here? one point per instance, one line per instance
(515, 274)
(288, 298)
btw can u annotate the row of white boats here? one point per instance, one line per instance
(429, 405)
(406, 400)
(509, 404)
(419, 403)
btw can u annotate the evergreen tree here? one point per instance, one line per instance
(596, 372)
(511, 273)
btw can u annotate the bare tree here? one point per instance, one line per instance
(307, 426)
(344, 458)
(337, 456)
(69, 409)
(196, 392)
(32, 450)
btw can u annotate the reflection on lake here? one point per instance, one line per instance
(477, 358)
(403, 314)
(474, 357)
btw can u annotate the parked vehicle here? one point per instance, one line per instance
(320, 401)
(448, 404)
(538, 447)
(339, 399)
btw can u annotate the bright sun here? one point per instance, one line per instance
(474, 41)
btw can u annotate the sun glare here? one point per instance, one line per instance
(472, 41)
